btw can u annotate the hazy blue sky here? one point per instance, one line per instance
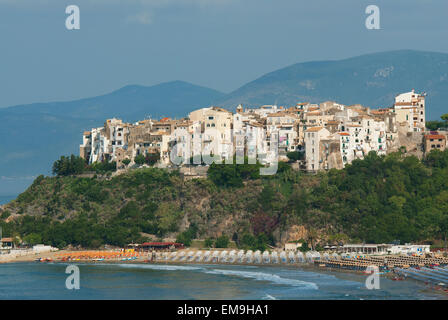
(221, 44)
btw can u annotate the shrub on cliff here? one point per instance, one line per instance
(69, 165)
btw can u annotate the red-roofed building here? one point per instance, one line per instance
(434, 141)
(161, 245)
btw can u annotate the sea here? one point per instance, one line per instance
(5, 199)
(33, 280)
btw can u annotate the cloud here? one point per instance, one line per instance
(15, 178)
(145, 18)
(16, 156)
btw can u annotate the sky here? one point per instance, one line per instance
(221, 44)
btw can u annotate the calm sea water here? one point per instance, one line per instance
(6, 199)
(137, 281)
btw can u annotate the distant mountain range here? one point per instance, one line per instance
(35, 135)
(372, 80)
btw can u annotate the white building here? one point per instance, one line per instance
(313, 136)
(410, 107)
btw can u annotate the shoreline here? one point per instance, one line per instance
(144, 260)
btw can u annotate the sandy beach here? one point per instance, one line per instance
(6, 258)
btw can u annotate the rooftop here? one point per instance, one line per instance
(314, 129)
(434, 136)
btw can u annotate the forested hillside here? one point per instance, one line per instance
(379, 199)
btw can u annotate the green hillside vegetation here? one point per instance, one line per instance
(435, 125)
(378, 199)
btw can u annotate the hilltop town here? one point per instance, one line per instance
(393, 189)
(319, 136)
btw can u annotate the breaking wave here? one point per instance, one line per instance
(159, 267)
(268, 297)
(261, 276)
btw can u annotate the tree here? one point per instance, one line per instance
(103, 166)
(139, 159)
(295, 155)
(304, 247)
(69, 165)
(208, 243)
(445, 117)
(232, 174)
(187, 236)
(222, 242)
(126, 161)
(224, 175)
(437, 159)
(435, 125)
(33, 239)
(152, 158)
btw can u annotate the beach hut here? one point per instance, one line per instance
(291, 257)
(223, 256)
(266, 257)
(198, 256)
(257, 257)
(207, 256)
(232, 256)
(274, 257)
(215, 256)
(283, 257)
(249, 256)
(240, 257)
